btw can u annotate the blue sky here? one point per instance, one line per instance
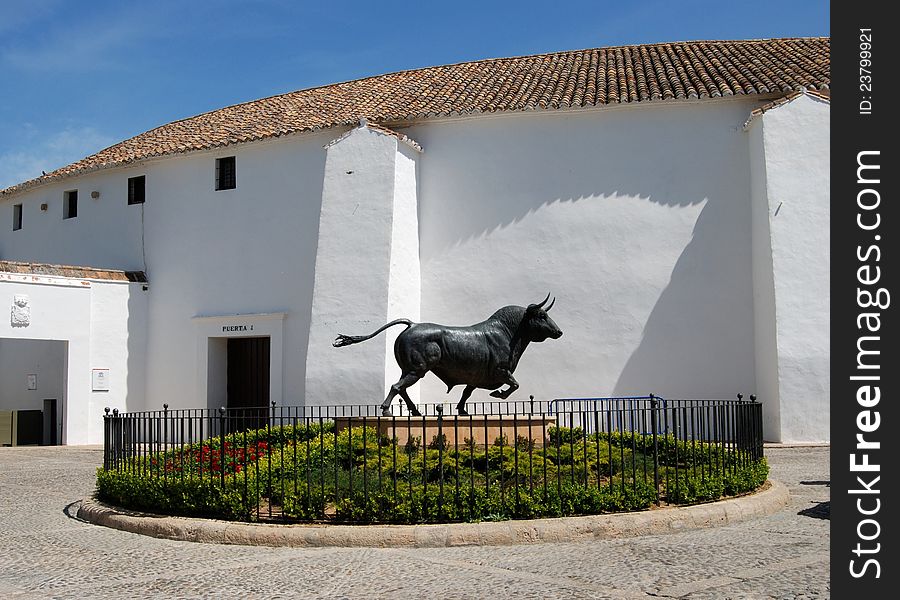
(77, 76)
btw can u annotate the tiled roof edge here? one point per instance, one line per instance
(759, 111)
(55, 176)
(364, 124)
(655, 72)
(77, 272)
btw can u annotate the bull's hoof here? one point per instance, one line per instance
(387, 412)
(497, 394)
(462, 412)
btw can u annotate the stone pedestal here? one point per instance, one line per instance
(456, 428)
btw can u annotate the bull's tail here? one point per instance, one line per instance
(346, 340)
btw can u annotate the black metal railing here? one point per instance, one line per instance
(505, 459)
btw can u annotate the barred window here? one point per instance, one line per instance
(225, 173)
(136, 189)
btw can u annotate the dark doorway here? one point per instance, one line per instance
(248, 382)
(29, 427)
(50, 424)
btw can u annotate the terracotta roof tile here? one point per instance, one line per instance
(784, 100)
(579, 78)
(29, 268)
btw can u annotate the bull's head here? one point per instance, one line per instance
(537, 325)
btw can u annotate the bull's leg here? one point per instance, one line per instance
(400, 388)
(461, 406)
(513, 386)
(413, 409)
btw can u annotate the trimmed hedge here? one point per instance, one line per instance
(308, 473)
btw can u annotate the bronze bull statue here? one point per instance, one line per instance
(483, 355)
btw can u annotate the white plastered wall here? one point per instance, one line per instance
(118, 343)
(636, 218)
(212, 333)
(791, 193)
(249, 251)
(106, 233)
(101, 324)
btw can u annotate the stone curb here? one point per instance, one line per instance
(567, 529)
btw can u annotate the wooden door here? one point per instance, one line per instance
(248, 382)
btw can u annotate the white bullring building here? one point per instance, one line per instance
(673, 197)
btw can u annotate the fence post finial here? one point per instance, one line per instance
(106, 410)
(740, 397)
(752, 397)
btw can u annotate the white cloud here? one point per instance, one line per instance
(98, 41)
(64, 147)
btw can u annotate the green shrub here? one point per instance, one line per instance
(438, 442)
(358, 475)
(412, 445)
(747, 478)
(190, 497)
(692, 487)
(525, 443)
(564, 435)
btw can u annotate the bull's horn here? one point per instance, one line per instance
(544, 301)
(551, 304)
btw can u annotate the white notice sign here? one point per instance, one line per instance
(100, 380)
(31, 381)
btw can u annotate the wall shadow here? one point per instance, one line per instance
(583, 172)
(703, 318)
(572, 158)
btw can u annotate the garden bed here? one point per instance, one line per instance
(310, 472)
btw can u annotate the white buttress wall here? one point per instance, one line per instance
(636, 218)
(405, 281)
(365, 247)
(797, 156)
(766, 346)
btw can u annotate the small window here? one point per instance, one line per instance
(136, 190)
(225, 173)
(17, 217)
(70, 204)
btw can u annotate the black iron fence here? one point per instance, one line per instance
(506, 459)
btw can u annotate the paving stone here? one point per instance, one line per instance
(44, 553)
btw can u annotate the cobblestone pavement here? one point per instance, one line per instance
(46, 554)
